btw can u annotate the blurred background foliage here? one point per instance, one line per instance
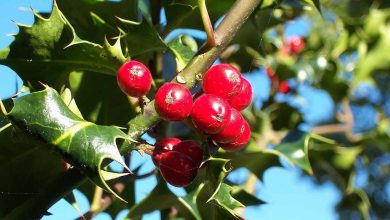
(324, 107)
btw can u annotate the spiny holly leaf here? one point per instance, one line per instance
(27, 168)
(255, 161)
(48, 58)
(356, 200)
(141, 37)
(215, 200)
(376, 58)
(223, 198)
(186, 15)
(162, 198)
(85, 145)
(71, 199)
(69, 101)
(50, 49)
(182, 52)
(340, 159)
(94, 20)
(297, 152)
(244, 197)
(128, 194)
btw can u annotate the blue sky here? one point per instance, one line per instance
(288, 195)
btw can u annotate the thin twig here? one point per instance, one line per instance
(208, 26)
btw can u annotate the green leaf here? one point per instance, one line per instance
(376, 58)
(141, 37)
(223, 198)
(255, 161)
(162, 198)
(85, 145)
(51, 56)
(335, 162)
(356, 200)
(182, 52)
(297, 152)
(71, 199)
(244, 197)
(313, 3)
(94, 20)
(215, 200)
(187, 15)
(69, 101)
(27, 168)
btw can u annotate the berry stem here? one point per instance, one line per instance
(232, 22)
(96, 201)
(145, 148)
(208, 26)
(3, 111)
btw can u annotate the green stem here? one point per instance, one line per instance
(96, 201)
(234, 19)
(208, 26)
(3, 111)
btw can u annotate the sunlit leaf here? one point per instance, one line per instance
(182, 52)
(88, 146)
(50, 57)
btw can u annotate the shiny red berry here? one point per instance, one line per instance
(190, 148)
(173, 102)
(284, 87)
(240, 142)
(244, 98)
(134, 78)
(296, 44)
(233, 129)
(177, 168)
(163, 146)
(210, 113)
(222, 80)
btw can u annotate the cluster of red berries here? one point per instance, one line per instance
(215, 113)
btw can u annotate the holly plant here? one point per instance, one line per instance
(103, 79)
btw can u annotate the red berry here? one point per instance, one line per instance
(210, 113)
(191, 149)
(134, 78)
(163, 146)
(233, 129)
(177, 168)
(244, 98)
(296, 44)
(222, 80)
(173, 102)
(240, 142)
(270, 72)
(284, 87)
